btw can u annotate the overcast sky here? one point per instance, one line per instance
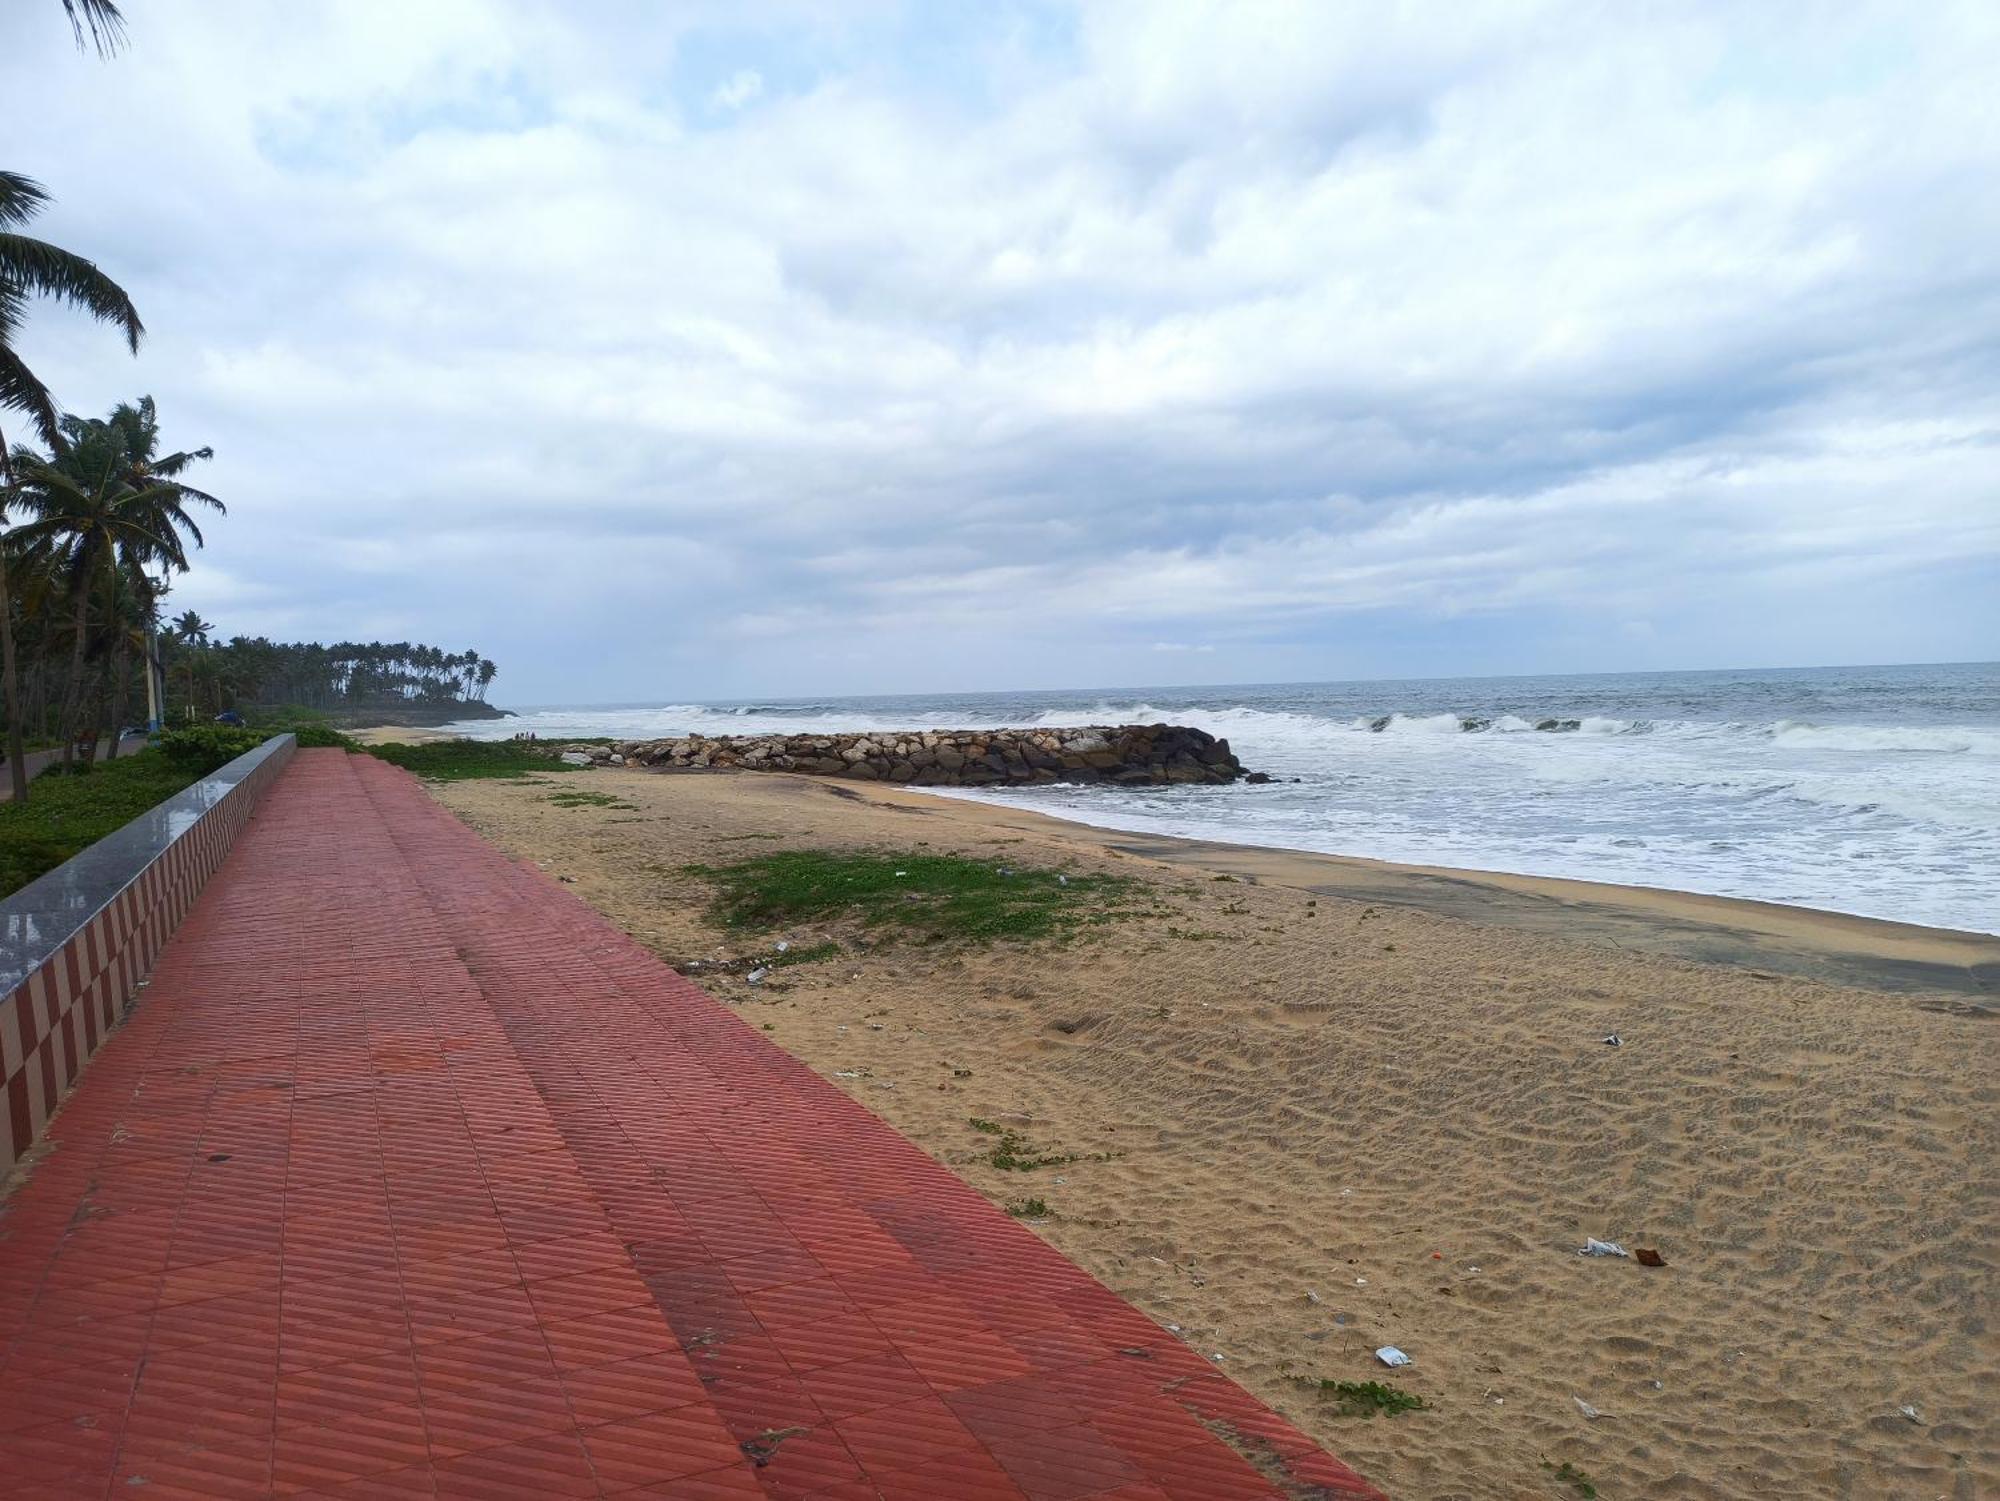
(700, 351)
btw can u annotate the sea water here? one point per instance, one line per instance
(1872, 790)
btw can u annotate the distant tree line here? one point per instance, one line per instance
(97, 527)
(208, 676)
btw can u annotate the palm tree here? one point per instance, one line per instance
(83, 527)
(190, 631)
(130, 437)
(30, 268)
(120, 456)
(101, 18)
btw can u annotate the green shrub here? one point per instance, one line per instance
(319, 737)
(202, 748)
(313, 729)
(65, 814)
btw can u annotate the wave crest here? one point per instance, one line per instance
(1934, 739)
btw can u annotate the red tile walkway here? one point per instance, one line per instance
(412, 1177)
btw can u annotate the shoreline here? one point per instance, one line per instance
(393, 734)
(1838, 948)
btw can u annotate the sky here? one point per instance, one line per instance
(669, 352)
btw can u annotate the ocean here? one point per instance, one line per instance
(1870, 790)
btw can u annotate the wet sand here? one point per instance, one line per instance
(389, 734)
(1323, 1105)
(1766, 937)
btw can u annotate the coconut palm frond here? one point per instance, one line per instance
(97, 23)
(174, 463)
(20, 390)
(28, 265)
(21, 198)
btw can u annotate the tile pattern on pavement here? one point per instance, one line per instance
(110, 916)
(413, 1177)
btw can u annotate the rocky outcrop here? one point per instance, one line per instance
(1133, 755)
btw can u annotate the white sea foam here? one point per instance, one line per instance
(1898, 820)
(1930, 739)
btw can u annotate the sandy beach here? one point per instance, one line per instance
(388, 734)
(1326, 1105)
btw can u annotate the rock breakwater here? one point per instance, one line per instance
(1132, 755)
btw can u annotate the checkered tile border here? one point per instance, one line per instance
(54, 1020)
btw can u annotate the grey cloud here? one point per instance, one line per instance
(1218, 326)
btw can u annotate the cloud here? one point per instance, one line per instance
(740, 88)
(1009, 345)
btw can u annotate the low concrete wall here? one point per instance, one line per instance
(1136, 755)
(76, 943)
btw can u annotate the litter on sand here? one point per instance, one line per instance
(1585, 1408)
(1647, 1256)
(1614, 1041)
(756, 976)
(1389, 1355)
(1909, 1410)
(1594, 1247)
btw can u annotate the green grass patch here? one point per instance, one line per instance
(1569, 1475)
(933, 898)
(811, 954)
(1012, 1152)
(64, 815)
(1031, 1209)
(568, 799)
(468, 760)
(1363, 1399)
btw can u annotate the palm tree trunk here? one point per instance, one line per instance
(88, 718)
(121, 682)
(17, 763)
(73, 695)
(38, 698)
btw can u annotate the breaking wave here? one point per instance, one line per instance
(1678, 783)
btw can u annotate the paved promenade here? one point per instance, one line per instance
(412, 1177)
